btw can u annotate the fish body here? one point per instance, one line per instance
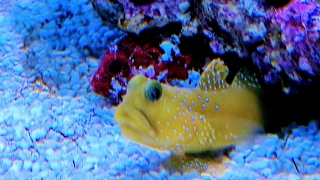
(181, 120)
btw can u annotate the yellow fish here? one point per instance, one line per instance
(211, 116)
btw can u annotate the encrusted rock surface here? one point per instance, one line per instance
(110, 10)
(281, 38)
(157, 54)
(233, 26)
(290, 53)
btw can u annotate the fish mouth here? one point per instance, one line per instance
(135, 126)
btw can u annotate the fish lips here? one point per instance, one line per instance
(135, 125)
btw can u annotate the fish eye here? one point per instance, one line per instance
(153, 91)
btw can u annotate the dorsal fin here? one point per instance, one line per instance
(246, 79)
(214, 76)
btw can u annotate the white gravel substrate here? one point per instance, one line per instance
(69, 132)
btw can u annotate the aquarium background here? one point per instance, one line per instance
(53, 126)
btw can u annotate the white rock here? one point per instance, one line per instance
(27, 165)
(16, 166)
(167, 47)
(75, 78)
(38, 132)
(2, 146)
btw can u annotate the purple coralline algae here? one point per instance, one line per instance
(233, 26)
(290, 53)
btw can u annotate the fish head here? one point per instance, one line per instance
(142, 113)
